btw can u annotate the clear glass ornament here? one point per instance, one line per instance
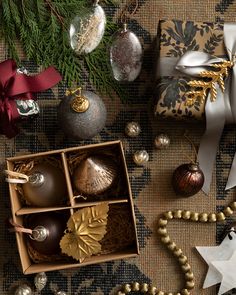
(126, 55)
(87, 29)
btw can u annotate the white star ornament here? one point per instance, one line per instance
(227, 269)
(217, 253)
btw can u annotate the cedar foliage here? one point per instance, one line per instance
(42, 26)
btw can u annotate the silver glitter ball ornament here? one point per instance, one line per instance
(24, 290)
(141, 157)
(162, 141)
(132, 129)
(40, 281)
(82, 114)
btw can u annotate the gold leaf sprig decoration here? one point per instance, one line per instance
(86, 228)
(202, 87)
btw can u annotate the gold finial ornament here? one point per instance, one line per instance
(80, 103)
(202, 87)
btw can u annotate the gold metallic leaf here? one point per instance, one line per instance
(86, 228)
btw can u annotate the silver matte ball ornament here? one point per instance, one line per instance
(162, 141)
(132, 129)
(141, 157)
(82, 114)
(23, 290)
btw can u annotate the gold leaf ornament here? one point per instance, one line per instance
(86, 228)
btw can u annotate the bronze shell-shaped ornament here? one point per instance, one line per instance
(187, 180)
(94, 175)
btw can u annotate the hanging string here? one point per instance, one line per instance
(122, 17)
(193, 147)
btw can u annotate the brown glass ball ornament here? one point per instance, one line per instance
(187, 180)
(48, 229)
(95, 174)
(46, 186)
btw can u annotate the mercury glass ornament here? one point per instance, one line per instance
(95, 174)
(40, 281)
(132, 129)
(60, 293)
(82, 114)
(24, 290)
(126, 55)
(162, 141)
(187, 180)
(141, 157)
(46, 186)
(87, 29)
(48, 229)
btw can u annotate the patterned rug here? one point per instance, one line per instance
(150, 185)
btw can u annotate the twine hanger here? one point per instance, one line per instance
(122, 18)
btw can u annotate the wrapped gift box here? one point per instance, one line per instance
(175, 38)
(119, 199)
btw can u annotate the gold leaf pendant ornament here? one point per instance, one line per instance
(203, 87)
(86, 228)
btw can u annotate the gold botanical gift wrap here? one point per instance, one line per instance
(176, 38)
(197, 79)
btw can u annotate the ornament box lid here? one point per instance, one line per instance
(19, 211)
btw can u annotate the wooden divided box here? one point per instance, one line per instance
(119, 242)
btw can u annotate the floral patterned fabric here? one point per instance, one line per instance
(177, 37)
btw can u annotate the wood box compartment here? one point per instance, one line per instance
(120, 206)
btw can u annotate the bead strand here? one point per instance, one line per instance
(176, 251)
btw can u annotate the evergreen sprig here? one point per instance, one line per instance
(42, 27)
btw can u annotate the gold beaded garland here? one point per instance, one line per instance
(177, 252)
(212, 217)
(228, 211)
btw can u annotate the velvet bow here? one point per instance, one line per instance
(20, 86)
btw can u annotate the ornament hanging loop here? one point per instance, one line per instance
(193, 147)
(20, 177)
(122, 17)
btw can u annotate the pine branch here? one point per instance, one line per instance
(42, 28)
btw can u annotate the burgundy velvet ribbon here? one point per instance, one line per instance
(19, 86)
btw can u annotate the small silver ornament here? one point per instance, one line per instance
(162, 141)
(60, 293)
(23, 290)
(141, 157)
(132, 129)
(40, 281)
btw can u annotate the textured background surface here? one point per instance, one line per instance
(151, 185)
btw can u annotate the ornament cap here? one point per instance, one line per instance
(125, 27)
(80, 103)
(39, 234)
(194, 166)
(36, 179)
